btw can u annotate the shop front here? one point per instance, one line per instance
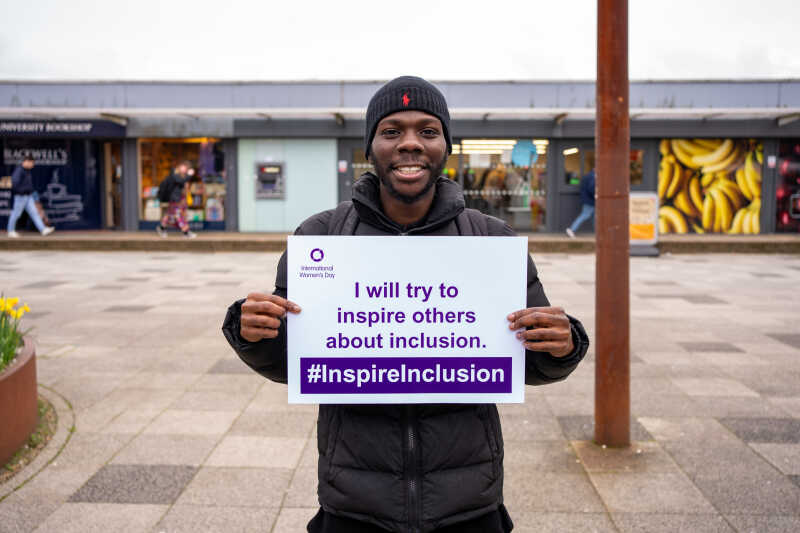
(77, 171)
(204, 193)
(503, 177)
(283, 181)
(787, 190)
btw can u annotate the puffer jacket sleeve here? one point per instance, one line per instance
(542, 368)
(268, 356)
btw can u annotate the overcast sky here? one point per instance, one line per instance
(377, 39)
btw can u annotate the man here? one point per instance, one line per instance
(22, 189)
(401, 468)
(587, 203)
(176, 196)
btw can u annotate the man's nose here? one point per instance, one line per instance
(410, 142)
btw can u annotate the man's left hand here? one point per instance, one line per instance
(547, 329)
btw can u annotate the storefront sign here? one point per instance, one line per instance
(60, 128)
(405, 319)
(40, 155)
(643, 218)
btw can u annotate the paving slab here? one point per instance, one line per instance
(240, 487)
(101, 518)
(153, 484)
(215, 518)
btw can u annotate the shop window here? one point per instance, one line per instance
(710, 186)
(204, 193)
(787, 190)
(505, 178)
(637, 167)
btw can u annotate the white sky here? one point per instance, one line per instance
(378, 39)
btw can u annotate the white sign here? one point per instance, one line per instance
(405, 319)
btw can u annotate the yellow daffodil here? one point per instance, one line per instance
(26, 308)
(11, 302)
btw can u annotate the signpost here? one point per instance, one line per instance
(612, 370)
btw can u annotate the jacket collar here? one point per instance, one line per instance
(448, 203)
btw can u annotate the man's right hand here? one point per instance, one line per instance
(261, 315)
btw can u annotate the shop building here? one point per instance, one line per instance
(724, 155)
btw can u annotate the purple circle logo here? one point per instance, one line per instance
(317, 255)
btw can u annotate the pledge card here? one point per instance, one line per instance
(405, 319)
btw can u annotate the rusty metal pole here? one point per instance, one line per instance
(612, 304)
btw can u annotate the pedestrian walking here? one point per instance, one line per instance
(173, 191)
(587, 203)
(369, 478)
(22, 189)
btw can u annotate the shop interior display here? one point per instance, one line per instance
(787, 191)
(710, 186)
(205, 194)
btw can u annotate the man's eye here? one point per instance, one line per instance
(389, 131)
(430, 132)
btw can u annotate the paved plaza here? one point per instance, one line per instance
(173, 433)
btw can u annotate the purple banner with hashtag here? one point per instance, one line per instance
(405, 375)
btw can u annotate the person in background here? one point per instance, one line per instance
(176, 209)
(22, 189)
(587, 203)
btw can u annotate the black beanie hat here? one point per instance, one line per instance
(407, 93)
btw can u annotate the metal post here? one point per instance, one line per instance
(612, 307)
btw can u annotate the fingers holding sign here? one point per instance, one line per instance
(261, 314)
(543, 329)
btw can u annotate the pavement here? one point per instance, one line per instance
(173, 433)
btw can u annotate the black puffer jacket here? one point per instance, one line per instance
(407, 468)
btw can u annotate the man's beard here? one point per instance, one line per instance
(383, 175)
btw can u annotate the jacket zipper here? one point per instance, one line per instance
(412, 476)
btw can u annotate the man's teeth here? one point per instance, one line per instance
(409, 170)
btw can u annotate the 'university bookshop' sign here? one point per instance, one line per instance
(405, 319)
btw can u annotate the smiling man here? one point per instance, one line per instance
(408, 468)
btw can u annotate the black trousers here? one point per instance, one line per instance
(495, 522)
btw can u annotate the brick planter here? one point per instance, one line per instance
(18, 405)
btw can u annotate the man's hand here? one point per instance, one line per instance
(549, 330)
(261, 315)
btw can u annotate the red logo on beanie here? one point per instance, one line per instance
(406, 100)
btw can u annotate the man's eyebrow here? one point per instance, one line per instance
(398, 122)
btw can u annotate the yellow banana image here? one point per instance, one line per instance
(675, 218)
(663, 147)
(741, 181)
(696, 228)
(696, 194)
(682, 155)
(720, 154)
(755, 222)
(732, 192)
(760, 153)
(679, 177)
(737, 226)
(710, 144)
(724, 164)
(753, 176)
(707, 179)
(723, 214)
(665, 172)
(663, 225)
(708, 213)
(684, 203)
(747, 227)
(692, 148)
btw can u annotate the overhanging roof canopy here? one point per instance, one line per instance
(122, 114)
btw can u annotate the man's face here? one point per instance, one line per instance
(182, 169)
(27, 164)
(408, 151)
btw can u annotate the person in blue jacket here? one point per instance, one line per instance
(22, 189)
(587, 203)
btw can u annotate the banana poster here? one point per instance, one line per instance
(710, 186)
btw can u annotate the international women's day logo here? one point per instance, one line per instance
(317, 255)
(317, 270)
